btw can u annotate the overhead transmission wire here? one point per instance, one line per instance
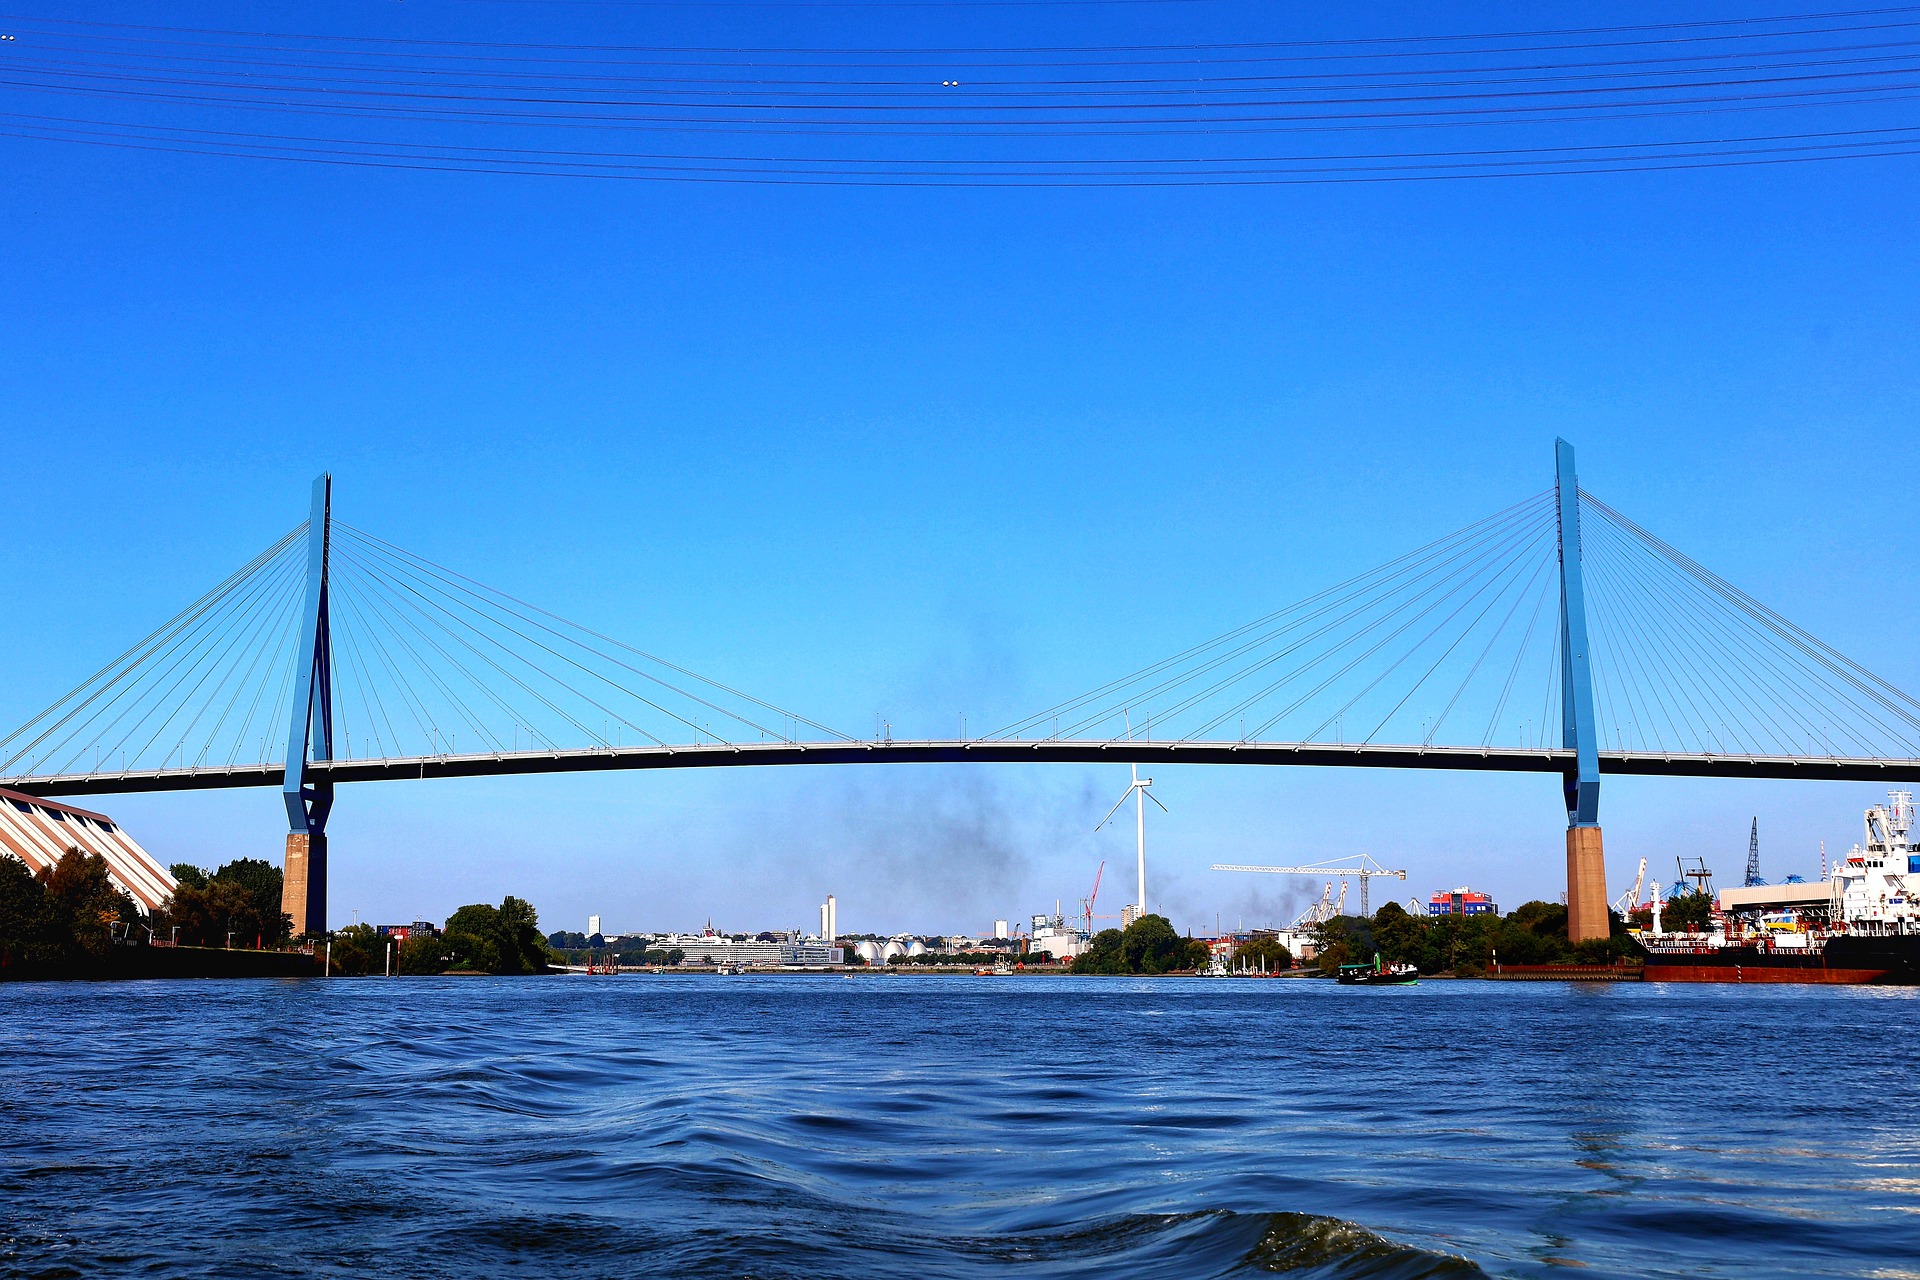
(1616, 77)
(1551, 92)
(1726, 28)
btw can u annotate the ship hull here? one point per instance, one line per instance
(1849, 960)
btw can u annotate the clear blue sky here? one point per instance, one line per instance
(921, 453)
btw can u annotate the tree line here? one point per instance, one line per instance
(66, 920)
(1148, 945)
(1534, 933)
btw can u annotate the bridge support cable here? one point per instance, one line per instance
(513, 677)
(1440, 614)
(1743, 679)
(370, 653)
(134, 713)
(591, 654)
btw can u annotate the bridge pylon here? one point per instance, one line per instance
(309, 799)
(1586, 861)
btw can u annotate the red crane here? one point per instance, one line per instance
(1086, 903)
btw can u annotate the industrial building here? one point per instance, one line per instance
(714, 948)
(1461, 902)
(38, 832)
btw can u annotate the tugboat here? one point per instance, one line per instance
(1378, 974)
(1860, 926)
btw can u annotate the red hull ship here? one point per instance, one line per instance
(1860, 926)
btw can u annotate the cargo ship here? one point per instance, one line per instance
(1861, 925)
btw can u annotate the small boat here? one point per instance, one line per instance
(1378, 974)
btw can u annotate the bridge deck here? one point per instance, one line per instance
(1050, 751)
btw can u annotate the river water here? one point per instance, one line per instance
(930, 1127)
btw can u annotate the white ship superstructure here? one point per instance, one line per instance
(1877, 882)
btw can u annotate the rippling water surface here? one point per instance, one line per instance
(682, 1126)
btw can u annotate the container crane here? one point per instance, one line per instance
(1363, 867)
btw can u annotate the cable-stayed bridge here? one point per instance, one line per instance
(1557, 636)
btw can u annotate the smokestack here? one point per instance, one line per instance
(833, 919)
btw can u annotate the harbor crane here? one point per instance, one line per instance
(1086, 903)
(1624, 904)
(1363, 867)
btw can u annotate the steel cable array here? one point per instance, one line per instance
(1457, 644)
(1459, 619)
(426, 663)
(1586, 100)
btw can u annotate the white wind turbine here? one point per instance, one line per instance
(1138, 790)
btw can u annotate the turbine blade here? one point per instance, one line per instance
(1116, 808)
(1156, 799)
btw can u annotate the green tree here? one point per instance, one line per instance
(240, 901)
(1686, 911)
(1342, 940)
(1148, 945)
(522, 949)
(84, 903)
(424, 953)
(30, 939)
(1102, 954)
(1399, 935)
(262, 882)
(358, 950)
(502, 939)
(470, 936)
(1269, 954)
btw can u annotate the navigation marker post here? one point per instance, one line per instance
(303, 894)
(1586, 863)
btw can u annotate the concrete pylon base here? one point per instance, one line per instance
(303, 892)
(1586, 885)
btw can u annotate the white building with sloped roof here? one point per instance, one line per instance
(38, 832)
